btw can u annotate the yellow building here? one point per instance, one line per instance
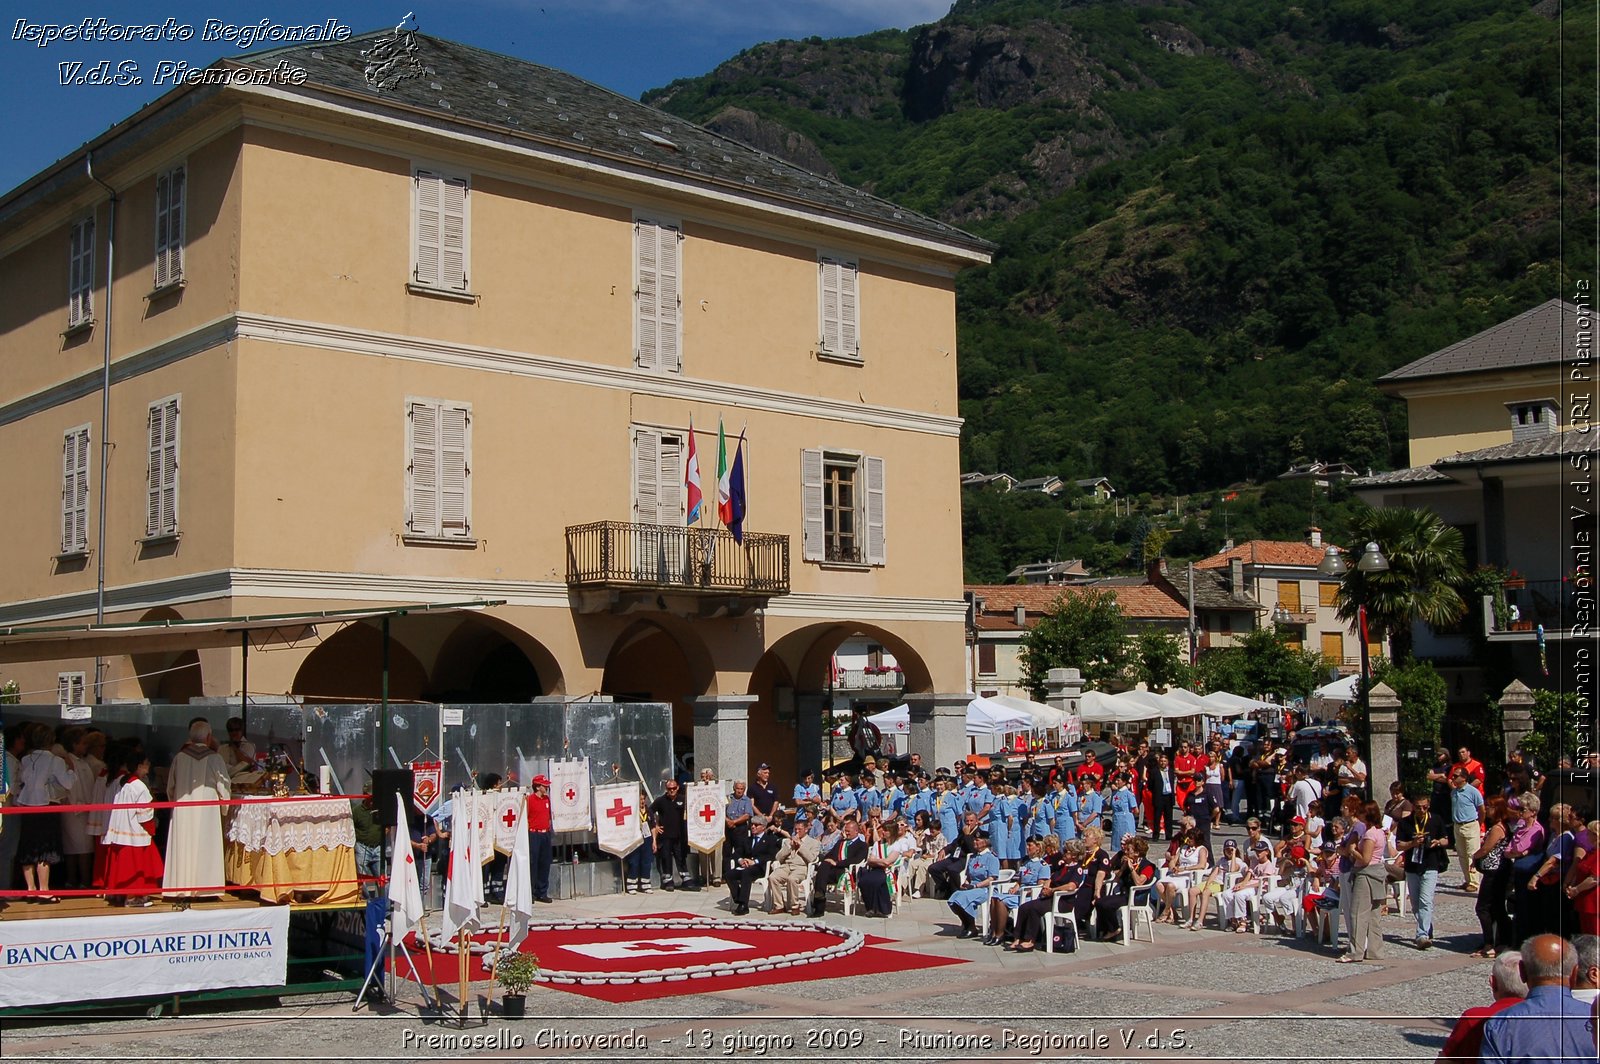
(433, 324)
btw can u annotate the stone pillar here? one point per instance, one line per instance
(811, 733)
(939, 727)
(1063, 690)
(1383, 720)
(1516, 714)
(722, 734)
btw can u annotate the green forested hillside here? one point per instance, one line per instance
(1218, 222)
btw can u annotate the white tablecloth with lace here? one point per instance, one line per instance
(293, 849)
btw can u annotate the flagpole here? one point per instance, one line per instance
(499, 938)
(461, 975)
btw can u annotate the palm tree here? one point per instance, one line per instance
(1426, 571)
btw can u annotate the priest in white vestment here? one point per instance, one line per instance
(194, 839)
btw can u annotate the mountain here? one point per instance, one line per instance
(1218, 221)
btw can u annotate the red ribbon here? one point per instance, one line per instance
(9, 809)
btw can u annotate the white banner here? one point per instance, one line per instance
(508, 806)
(569, 795)
(484, 818)
(1072, 729)
(703, 812)
(146, 955)
(616, 817)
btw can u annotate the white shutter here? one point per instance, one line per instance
(849, 330)
(422, 481)
(668, 298)
(75, 491)
(63, 689)
(829, 271)
(75, 688)
(453, 234)
(811, 541)
(454, 461)
(169, 227)
(80, 273)
(157, 432)
(429, 229)
(169, 468)
(669, 481)
(875, 501)
(646, 294)
(646, 476)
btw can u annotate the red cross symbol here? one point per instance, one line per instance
(619, 812)
(708, 814)
(509, 818)
(656, 947)
(572, 795)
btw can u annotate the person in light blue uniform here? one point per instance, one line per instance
(1041, 815)
(869, 800)
(1124, 806)
(842, 799)
(807, 795)
(983, 868)
(977, 798)
(996, 826)
(1034, 871)
(1013, 818)
(1067, 807)
(893, 798)
(918, 800)
(947, 811)
(1091, 804)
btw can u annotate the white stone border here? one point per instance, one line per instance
(848, 942)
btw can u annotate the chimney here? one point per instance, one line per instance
(1020, 614)
(1156, 571)
(1236, 577)
(1314, 536)
(1533, 418)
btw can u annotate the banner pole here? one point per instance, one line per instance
(462, 1007)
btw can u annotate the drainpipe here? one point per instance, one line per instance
(105, 423)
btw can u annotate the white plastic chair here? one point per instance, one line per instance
(1136, 912)
(1006, 876)
(1067, 915)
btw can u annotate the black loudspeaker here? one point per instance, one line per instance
(386, 783)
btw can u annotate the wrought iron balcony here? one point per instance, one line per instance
(1563, 607)
(620, 567)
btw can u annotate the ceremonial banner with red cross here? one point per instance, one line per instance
(508, 805)
(569, 795)
(703, 810)
(616, 817)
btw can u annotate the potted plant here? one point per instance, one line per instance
(515, 974)
(1514, 581)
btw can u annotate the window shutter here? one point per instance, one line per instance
(63, 689)
(454, 426)
(453, 233)
(849, 333)
(157, 421)
(75, 491)
(875, 511)
(430, 228)
(829, 270)
(986, 659)
(169, 468)
(668, 297)
(423, 519)
(811, 516)
(169, 227)
(646, 476)
(80, 274)
(669, 481)
(1289, 595)
(1328, 594)
(646, 294)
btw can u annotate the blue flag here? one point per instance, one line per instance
(736, 502)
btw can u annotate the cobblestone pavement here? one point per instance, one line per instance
(1189, 996)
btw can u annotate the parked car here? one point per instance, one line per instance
(1307, 741)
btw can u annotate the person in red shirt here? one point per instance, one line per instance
(539, 837)
(1583, 884)
(1505, 983)
(1091, 767)
(1472, 766)
(1184, 765)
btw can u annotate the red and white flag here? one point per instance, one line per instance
(427, 785)
(703, 810)
(569, 795)
(618, 827)
(463, 895)
(691, 479)
(519, 884)
(405, 887)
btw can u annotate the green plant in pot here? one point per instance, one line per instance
(515, 974)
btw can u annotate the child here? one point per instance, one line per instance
(133, 864)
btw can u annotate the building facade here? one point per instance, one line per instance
(441, 329)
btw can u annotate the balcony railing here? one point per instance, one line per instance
(618, 555)
(865, 680)
(1555, 604)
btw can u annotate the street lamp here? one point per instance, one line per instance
(1335, 567)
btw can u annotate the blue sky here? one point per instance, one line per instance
(626, 45)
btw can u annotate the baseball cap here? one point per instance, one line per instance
(541, 781)
(1261, 844)
(1297, 820)
(762, 766)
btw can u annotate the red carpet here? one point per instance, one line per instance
(621, 948)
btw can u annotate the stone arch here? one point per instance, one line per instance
(660, 661)
(170, 676)
(487, 659)
(348, 667)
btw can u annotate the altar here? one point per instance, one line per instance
(271, 845)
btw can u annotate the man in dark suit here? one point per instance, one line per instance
(851, 849)
(749, 863)
(946, 871)
(1162, 784)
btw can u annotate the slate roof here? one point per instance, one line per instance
(1211, 591)
(474, 87)
(1532, 338)
(1267, 552)
(1539, 448)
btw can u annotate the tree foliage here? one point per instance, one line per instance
(1160, 660)
(1081, 631)
(1262, 663)
(1427, 570)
